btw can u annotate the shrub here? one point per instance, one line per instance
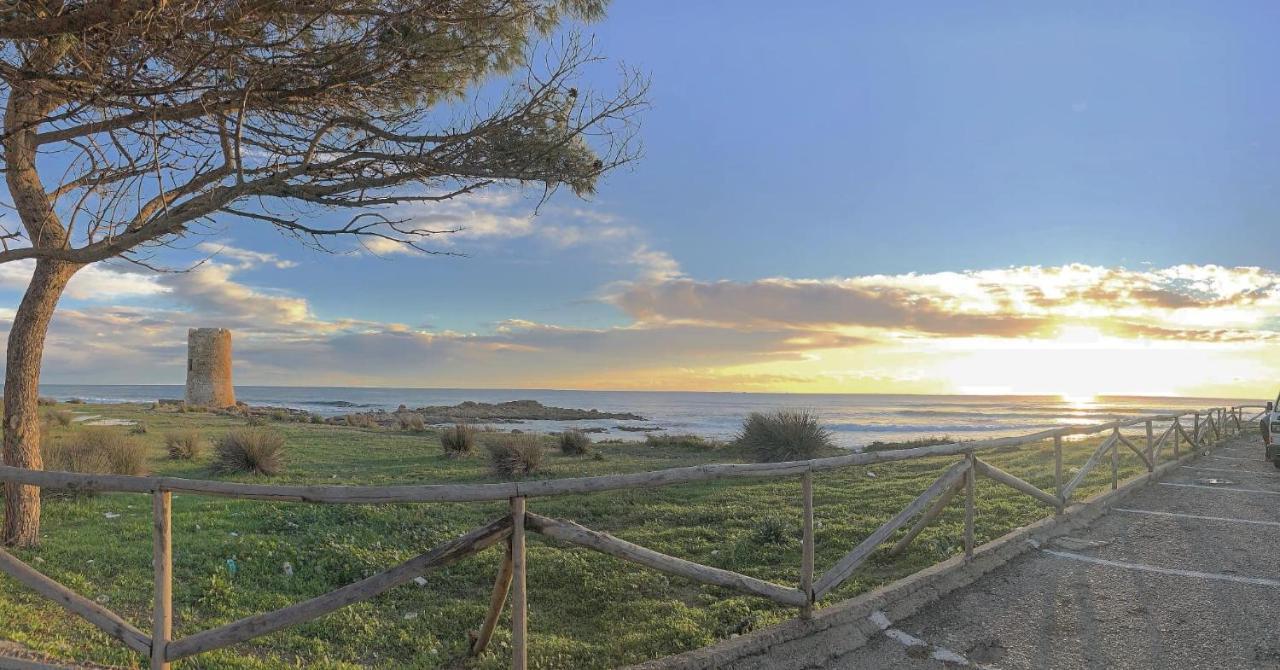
(139, 428)
(279, 415)
(773, 529)
(46, 402)
(574, 443)
(58, 416)
(784, 435)
(184, 444)
(361, 421)
(316, 418)
(256, 450)
(880, 445)
(458, 441)
(411, 421)
(514, 455)
(256, 420)
(75, 401)
(100, 451)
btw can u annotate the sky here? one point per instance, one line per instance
(934, 197)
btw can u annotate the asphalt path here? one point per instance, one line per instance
(1184, 573)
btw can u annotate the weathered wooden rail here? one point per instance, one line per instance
(959, 478)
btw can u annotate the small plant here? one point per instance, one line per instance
(458, 441)
(316, 418)
(361, 421)
(411, 421)
(100, 451)
(75, 401)
(60, 417)
(279, 415)
(784, 435)
(184, 444)
(46, 402)
(255, 450)
(773, 529)
(574, 443)
(139, 428)
(514, 455)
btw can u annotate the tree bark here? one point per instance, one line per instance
(21, 396)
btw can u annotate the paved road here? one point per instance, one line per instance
(1183, 574)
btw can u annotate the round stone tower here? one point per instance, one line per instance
(209, 368)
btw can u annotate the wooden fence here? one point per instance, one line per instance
(1204, 427)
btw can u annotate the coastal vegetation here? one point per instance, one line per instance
(514, 455)
(785, 435)
(574, 443)
(258, 451)
(587, 610)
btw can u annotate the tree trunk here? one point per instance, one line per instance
(21, 396)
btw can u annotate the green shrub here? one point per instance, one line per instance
(316, 418)
(58, 416)
(256, 450)
(256, 421)
(458, 441)
(100, 451)
(784, 435)
(411, 421)
(139, 428)
(514, 454)
(773, 529)
(184, 444)
(574, 443)
(279, 415)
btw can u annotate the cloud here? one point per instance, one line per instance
(94, 282)
(242, 258)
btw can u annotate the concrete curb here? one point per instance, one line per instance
(841, 628)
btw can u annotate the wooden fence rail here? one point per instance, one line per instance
(1207, 426)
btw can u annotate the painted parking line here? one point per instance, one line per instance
(1141, 567)
(1177, 515)
(1269, 475)
(1221, 488)
(946, 656)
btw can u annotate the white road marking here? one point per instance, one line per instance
(1140, 567)
(1177, 515)
(881, 620)
(1221, 488)
(1234, 472)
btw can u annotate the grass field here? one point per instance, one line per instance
(586, 610)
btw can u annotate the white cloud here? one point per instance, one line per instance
(94, 282)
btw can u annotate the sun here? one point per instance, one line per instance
(1078, 401)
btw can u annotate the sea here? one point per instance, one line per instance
(855, 420)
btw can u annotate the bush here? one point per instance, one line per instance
(514, 455)
(411, 421)
(46, 402)
(256, 450)
(184, 444)
(256, 421)
(784, 435)
(458, 441)
(361, 421)
(58, 416)
(139, 428)
(774, 529)
(75, 401)
(880, 445)
(574, 443)
(99, 451)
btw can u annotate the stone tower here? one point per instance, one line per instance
(209, 368)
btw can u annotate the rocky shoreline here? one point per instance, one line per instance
(515, 411)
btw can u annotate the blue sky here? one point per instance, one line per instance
(831, 142)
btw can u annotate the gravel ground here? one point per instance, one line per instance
(1173, 589)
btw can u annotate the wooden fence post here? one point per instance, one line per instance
(1057, 469)
(1151, 453)
(1177, 429)
(1115, 461)
(806, 555)
(970, 492)
(162, 565)
(519, 598)
(497, 601)
(1195, 434)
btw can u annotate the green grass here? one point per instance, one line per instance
(586, 610)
